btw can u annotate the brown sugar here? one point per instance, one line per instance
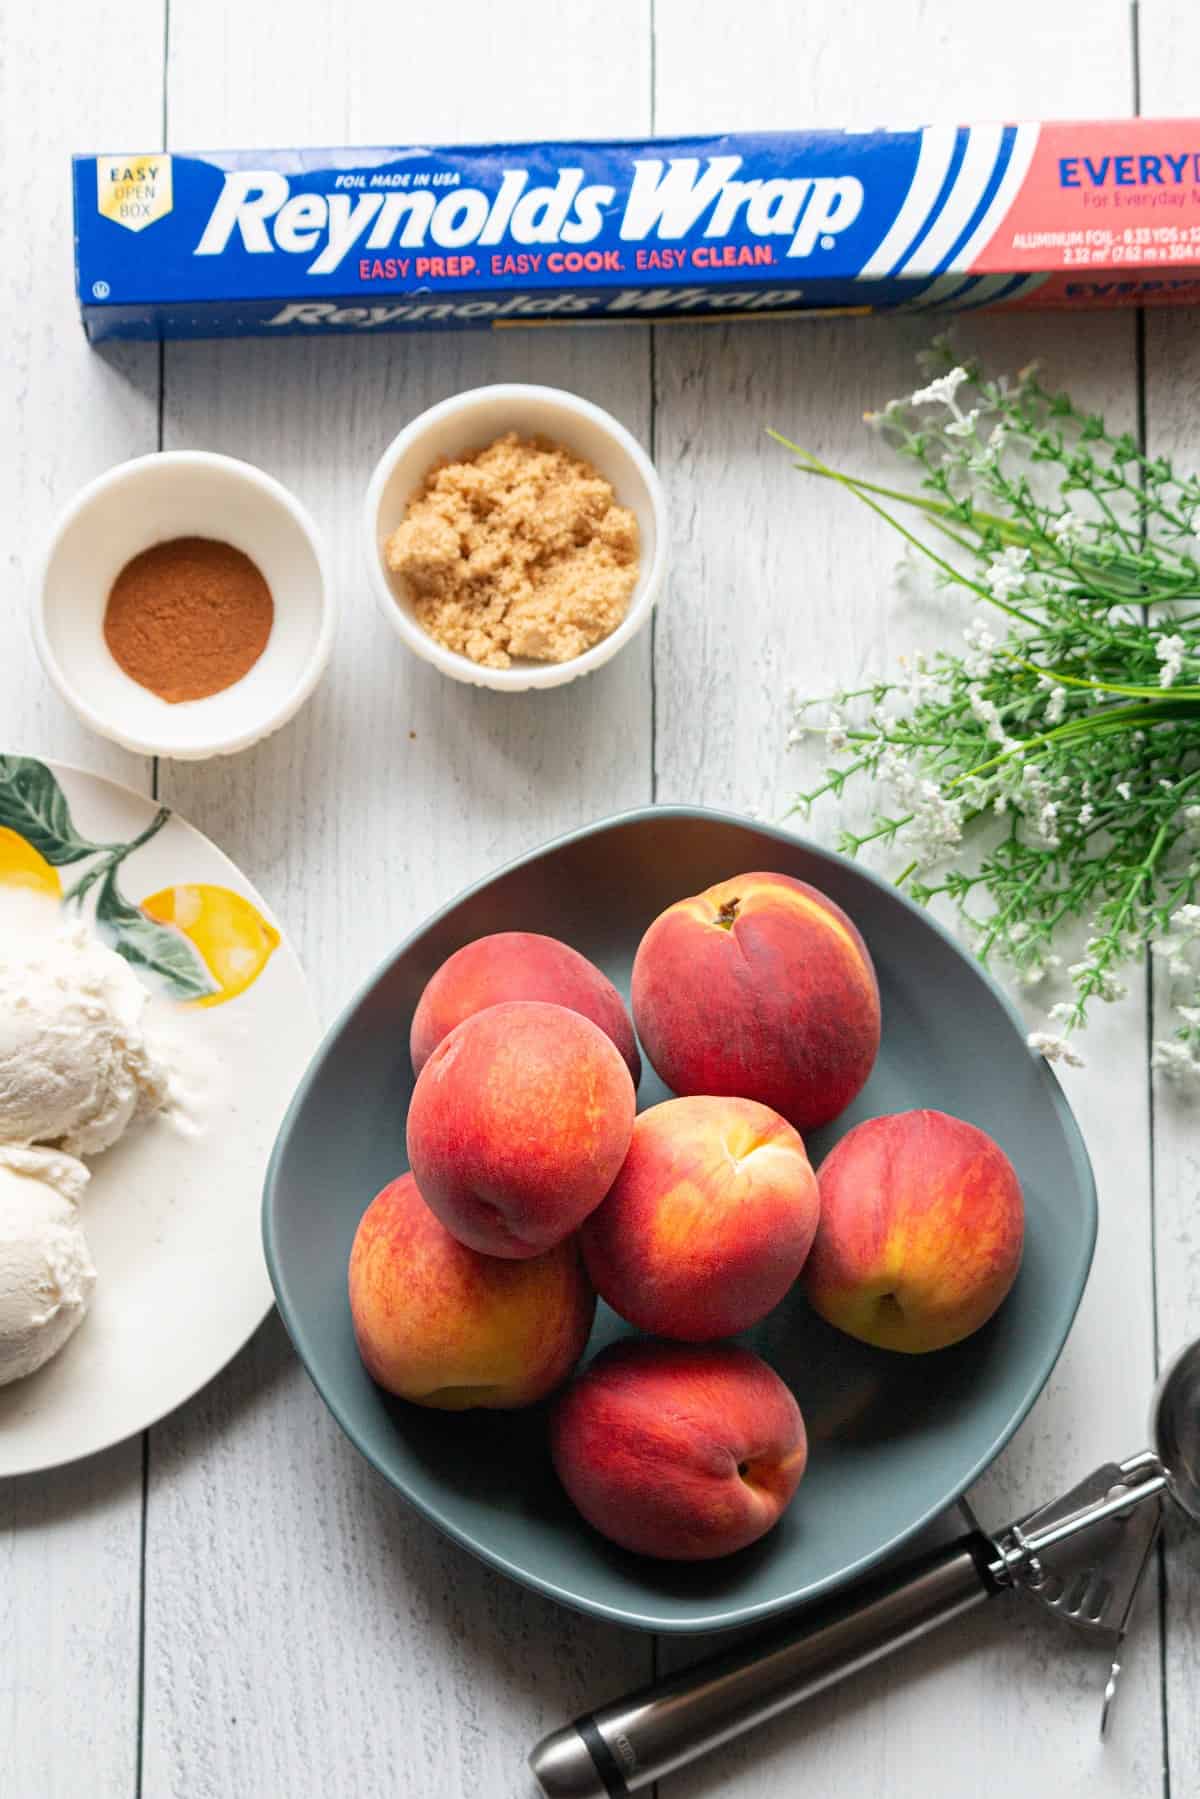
(517, 550)
(189, 617)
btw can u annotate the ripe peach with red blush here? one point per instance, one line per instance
(444, 1326)
(760, 987)
(518, 1125)
(685, 1451)
(921, 1231)
(709, 1221)
(512, 965)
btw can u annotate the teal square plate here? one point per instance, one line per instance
(894, 1439)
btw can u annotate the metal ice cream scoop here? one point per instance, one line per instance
(1083, 1556)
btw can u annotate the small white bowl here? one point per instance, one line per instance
(470, 421)
(182, 493)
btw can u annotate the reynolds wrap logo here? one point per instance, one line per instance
(666, 201)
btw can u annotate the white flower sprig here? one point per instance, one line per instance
(1069, 719)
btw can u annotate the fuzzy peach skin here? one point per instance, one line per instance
(684, 1451)
(439, 1324)
(922, 1225)
(762, 987)
(519, 965)
(518, 1124)
(709, 1221)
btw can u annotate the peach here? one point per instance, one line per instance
(709, 1221)
(439, 1324)
(684, 1451)
(921, 1229)
(518, 965)
(518, 1124)
(760, 986)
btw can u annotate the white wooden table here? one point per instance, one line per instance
(233, 1607)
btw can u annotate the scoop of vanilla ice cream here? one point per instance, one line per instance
(75, 1068)
(46, 1272)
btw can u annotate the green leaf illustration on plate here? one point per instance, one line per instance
(34, 806)
(151, 938)
(153, 949)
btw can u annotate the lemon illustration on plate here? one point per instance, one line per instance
(22, 866)
(231, 937)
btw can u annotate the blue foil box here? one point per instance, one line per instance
(276, 242)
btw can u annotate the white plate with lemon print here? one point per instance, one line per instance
(171, 1213)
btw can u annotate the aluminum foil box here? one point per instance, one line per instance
(270, 242)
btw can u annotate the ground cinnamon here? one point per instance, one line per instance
(188, 617)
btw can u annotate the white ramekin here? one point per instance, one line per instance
(182, 493)
(470, 421)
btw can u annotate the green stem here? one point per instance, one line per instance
(1065, 680)
(1141, 495)
(1133, 566)
(808, 800)
(78, 891)
(1130, 542)
(938, 511)
(848, 693)
(941, 508)
(888, 830)
(152, 829)
(1100, 724)
(1000, 919)
(113, 855)
(1180, 894)
(948, 569)
(905, 742)
(1141, 875)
